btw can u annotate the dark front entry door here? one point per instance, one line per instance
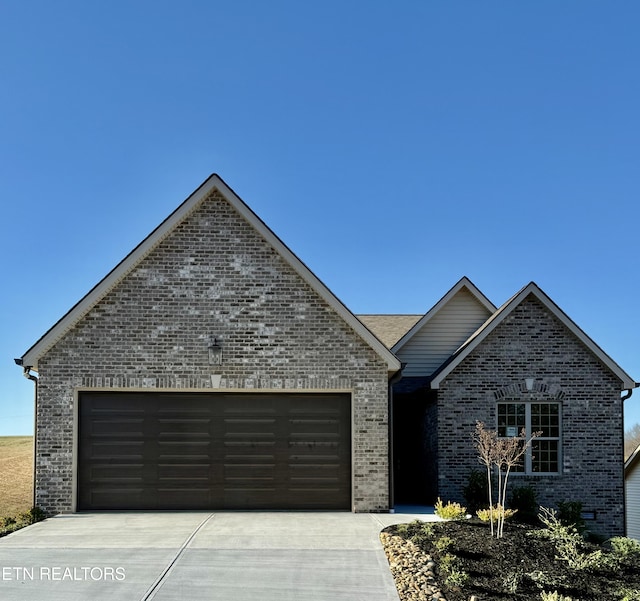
(201, 451)
(414, 450)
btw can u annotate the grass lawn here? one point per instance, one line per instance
(16, 474)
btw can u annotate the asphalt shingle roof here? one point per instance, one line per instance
(389, 328)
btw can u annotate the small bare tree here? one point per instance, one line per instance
(485, 443)
(631, 440)
(502, 455)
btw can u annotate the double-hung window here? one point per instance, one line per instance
(543, 457)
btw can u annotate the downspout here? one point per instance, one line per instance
(27, 374)
(629, 392)
(395, 378)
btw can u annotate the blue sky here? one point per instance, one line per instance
(395, 147)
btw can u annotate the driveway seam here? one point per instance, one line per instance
(153, 589)
(377, 520)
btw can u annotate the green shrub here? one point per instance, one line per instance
(569, 551)
(498, 512)
(624, 548)
(554, 529)
(476, 492)
(418, 532)
(568, 543)
(523, 498)
(570, 514)
(35, 514)
(453, 575)
(554, 596)
(542, 580)
(443, 543)
(628, 594)
(422, 536)
(511, 581)
(10, 524)
(450, 511)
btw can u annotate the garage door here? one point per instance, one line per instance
(214, 451)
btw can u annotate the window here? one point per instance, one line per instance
(544, 455)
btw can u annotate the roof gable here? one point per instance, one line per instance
(463, 283)
(631, 463)
(134, 258)
(503, 312)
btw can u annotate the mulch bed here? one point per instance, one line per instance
(517, 567)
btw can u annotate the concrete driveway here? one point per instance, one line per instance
(225, 556)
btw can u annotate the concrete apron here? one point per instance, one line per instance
(226, 556)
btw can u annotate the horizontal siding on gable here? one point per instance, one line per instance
(429, 348)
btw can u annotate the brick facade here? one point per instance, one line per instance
(213, 275)
(532, 343)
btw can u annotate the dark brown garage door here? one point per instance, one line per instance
(213, 451)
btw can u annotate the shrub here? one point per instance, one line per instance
(413, 529)
(35, 514)
(570, 514)
(543, 579)
(8, 521)
(443, 543)
(511, 581)
(422, 535)
(10, 524)
(628, 594)
(453, 575)
(554, 530)
(554, 596)
(624, 548)
(450, 511)
(523, 499)
(568, 541)
(476, 492)
(498, 513)
(569, 551)
(418, 532)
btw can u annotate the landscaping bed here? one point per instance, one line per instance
(457, 560)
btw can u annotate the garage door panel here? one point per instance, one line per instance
(177, 451)
(132, 498)
(173, 497)
(243, 451)
(117, 428)
(115, 471)
(186, 472)
(114, 450)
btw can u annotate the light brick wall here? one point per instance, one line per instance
(213, 276)
(532, 343)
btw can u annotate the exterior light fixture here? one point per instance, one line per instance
(215, 352)
(529, 383)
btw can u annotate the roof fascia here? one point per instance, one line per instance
(116, 275)
(464, 282)
(122, 269)
(631, 461)
(496, 319)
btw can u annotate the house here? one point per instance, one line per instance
(212, 369)
(523, 365)
(632, 494)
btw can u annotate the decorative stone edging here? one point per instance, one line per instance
(412, 569)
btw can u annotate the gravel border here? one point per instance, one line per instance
(412, 569)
